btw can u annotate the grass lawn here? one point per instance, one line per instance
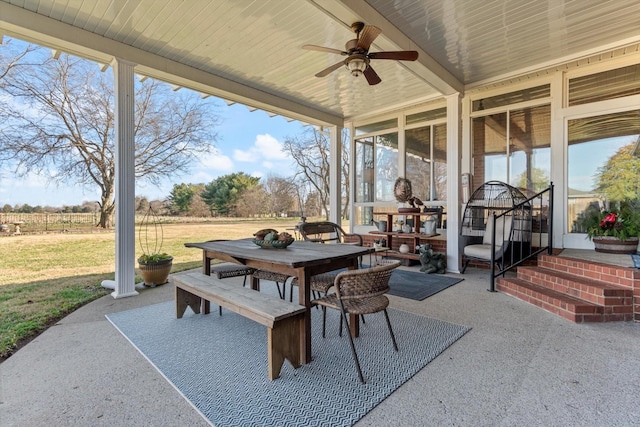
(47, 276)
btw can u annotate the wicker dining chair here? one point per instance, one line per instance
(274, 277)
(360, 292)
(324, 232)
(328, 232)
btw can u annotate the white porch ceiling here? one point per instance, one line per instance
(249, 51)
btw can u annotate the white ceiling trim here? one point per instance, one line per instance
(35, 28)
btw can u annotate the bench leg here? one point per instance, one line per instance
(186, 299)
(283, 342)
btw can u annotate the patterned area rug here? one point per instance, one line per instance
(219, 364)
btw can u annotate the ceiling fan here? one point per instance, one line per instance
(358, 55)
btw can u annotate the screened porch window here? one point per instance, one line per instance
(426, 162)
(514, 147)
(601, 167)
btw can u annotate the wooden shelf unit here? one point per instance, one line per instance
(412, 239)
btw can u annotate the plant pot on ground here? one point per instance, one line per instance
(154, 265)
(155, 268)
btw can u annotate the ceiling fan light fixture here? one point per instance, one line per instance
(357, 64)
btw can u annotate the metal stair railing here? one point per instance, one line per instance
(532, 218)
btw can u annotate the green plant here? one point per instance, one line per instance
(154, 258)
(622, 222)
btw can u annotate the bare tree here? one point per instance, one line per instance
(282, 194)
(311, 152)
(58, 121)
(252, 201)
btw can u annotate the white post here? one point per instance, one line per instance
(454, 151)
(124, 179)
(335, 177)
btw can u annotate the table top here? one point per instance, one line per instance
(298, 254)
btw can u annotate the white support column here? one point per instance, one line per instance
(125, 179)
(454, 151)
(559, 161)
(335, 177)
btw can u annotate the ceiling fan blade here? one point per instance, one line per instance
(324, 49)
(401, 55)
(328, 70)
(372, 77)
(367, 36)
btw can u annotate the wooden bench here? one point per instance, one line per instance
(284, 320)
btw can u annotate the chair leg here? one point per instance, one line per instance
(324, 321)
(464, 266)
(281, 293)
(353, 347)
(393, 337)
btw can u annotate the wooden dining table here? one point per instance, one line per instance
(301, 259)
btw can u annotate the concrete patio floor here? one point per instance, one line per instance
(518, 366)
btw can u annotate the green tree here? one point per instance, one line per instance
(181, 197)
(619, 178)
(221, 195)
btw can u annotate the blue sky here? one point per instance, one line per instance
(249, 142)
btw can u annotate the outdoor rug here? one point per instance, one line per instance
(418, 286)
(219, 364)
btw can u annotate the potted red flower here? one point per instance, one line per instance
(615, 232)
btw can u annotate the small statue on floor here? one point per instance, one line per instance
(432, 262)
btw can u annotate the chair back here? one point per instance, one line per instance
(503, 230)
(364, 283)
(325, 232)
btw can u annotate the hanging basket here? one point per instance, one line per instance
(613, 245)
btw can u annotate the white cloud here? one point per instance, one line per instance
(265, 146)
(217, 161)
(244, 155)
(270, 148)
(267, 164)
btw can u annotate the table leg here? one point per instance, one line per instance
(304, 298)
(206, 269)
(354, 320)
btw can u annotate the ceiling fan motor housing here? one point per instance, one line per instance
(357, 63)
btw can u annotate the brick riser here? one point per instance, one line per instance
(578, 290)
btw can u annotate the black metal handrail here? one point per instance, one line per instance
(522, 232)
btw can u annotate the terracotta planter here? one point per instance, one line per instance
(157, 273)
(613, 245)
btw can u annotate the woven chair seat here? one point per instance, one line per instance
(270, 275)
(355, 306)
(224, 271)
(319, 282)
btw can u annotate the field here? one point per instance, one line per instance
(47, 276)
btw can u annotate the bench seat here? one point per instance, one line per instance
(284, 320)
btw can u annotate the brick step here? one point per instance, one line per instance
(595, 291)
(618, 275)
(569, 307)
